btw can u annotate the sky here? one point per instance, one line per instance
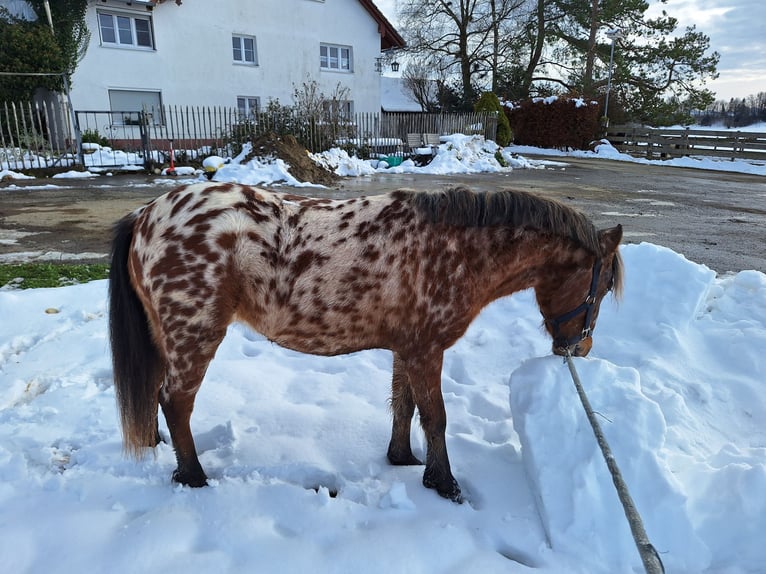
(736, 31)
(295, 444)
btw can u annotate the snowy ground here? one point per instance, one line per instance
(296, 444)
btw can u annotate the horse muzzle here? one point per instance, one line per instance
(579, 349)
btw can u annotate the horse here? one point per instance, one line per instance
(406, 271)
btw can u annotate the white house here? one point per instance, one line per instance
(394, 96)
(229, 52)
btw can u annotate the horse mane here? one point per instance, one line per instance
(517, 209)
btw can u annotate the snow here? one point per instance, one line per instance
(295, 444)
(458, 154)
(578, 102)
(95, 157)
(181, 170)
(461, 154)
(74, 174)
(213, 163)
(605, 150)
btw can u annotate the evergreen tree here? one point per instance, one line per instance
(488, 102)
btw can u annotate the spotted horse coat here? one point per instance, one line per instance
(406, 271)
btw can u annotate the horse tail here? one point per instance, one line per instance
(136, 361)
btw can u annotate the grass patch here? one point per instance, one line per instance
(36, 275)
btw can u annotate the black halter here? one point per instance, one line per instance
(586, 306)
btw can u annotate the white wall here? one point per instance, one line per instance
(193, 65)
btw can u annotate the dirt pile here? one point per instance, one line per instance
(302, 167)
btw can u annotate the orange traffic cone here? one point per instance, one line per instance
(172, 169)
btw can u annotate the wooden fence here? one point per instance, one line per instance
(145, 138)
(662, 143)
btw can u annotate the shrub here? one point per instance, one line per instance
(92, 136)
(488, 102)
(555, 122)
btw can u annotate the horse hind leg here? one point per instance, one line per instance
(402, 408)
(188, 362)
(177, 408)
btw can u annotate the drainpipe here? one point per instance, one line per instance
(47, 7)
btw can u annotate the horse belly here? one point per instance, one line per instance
(318, 334)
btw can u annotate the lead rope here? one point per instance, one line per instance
(649, 555)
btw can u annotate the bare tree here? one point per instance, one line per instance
(418, 83)
(460, 37)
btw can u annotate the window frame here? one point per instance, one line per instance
(326, 59)
(117, 31)
(334, 110)
(127, 114)
(247, 111)
(242, 38)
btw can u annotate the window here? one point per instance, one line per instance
(247, 106)
(127, 106)
(338, 110)
(243, 48)
(335, 58)
(125, 31)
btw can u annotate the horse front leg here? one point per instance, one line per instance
(402, 408)
(424, 373)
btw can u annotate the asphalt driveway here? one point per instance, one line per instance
(714, 218)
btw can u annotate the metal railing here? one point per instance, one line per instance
(37, 136)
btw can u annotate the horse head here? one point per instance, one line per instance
(570, 295)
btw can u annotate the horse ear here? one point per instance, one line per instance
(610, 238)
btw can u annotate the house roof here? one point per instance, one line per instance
(390, 39)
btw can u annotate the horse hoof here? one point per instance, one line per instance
(454, 495)
(398, 459)
(190, 479)
(447, 488)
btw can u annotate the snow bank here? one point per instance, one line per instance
(295, 444)
(579, 507)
